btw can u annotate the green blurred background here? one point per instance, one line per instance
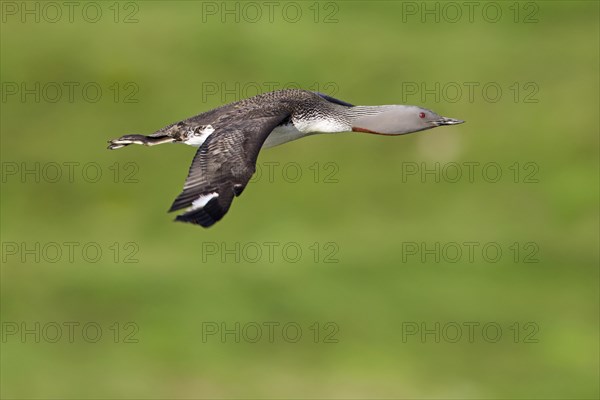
(160, 62)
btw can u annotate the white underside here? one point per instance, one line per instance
(286, 133)
(281, 134)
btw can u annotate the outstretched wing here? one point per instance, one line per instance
(223, 165)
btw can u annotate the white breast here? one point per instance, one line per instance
(298, 129)
(320, 126)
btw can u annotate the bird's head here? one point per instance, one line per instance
(396, 119)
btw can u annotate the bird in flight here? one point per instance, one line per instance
(230, 137)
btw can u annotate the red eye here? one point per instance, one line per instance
(422, 115)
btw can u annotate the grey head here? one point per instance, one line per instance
(396, 119)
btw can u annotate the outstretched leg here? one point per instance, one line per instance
(138, 139)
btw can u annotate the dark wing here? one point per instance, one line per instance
(334, 100)
(222, 167)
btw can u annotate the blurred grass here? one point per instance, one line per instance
(369, 213)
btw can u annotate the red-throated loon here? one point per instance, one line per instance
(231, 136)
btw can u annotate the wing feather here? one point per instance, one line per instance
(224, 164)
